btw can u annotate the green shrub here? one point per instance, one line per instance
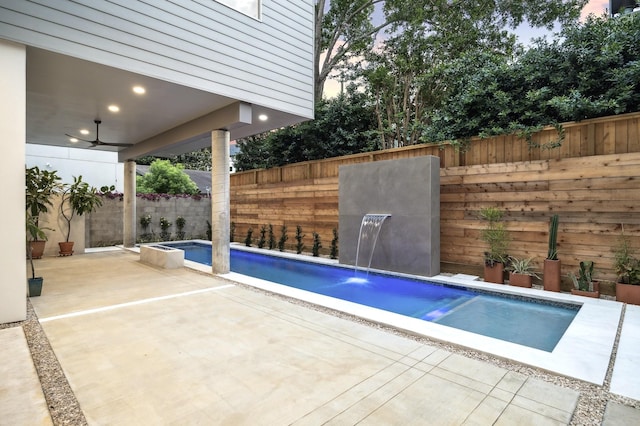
(283, 238)
(334, 245)
(317, 245)
(272, 238)
(248, 239)
(263, 236)
(299, 237)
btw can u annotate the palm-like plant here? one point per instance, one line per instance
(81, 199)
(40, 187)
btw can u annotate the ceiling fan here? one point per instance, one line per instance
(97, 141)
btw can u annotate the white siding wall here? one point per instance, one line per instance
(197, 43)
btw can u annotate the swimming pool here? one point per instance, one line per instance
(512, 319)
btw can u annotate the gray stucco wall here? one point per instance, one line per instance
(104, 226)
(409, 190)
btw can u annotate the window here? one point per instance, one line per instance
(248, 7)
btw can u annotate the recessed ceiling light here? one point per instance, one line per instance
(114, 108)
(73, 140)
(84, 131)
(139, 90)
(263, 117)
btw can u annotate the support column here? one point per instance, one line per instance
(129, 216)
(13, 86)
(220, 210)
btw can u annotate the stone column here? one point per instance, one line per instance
(129, 215)
(220, 210)
(13, 86)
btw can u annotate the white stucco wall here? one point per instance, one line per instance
(13, 285)
(97, 168)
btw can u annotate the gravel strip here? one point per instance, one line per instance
(61, 401)
(65, 409)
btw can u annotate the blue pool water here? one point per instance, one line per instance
(526, 322)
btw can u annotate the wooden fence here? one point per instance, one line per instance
(592, 181)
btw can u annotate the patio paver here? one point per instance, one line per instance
(140, 344)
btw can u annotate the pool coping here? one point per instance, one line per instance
(584, 351)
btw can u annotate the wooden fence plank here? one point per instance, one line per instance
(593, 194)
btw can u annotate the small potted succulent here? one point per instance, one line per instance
(521, 272)
(583, 283)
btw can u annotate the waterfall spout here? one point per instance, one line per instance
(369, 231)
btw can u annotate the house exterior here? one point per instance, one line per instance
(156, 78)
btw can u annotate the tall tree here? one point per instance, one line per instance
(343, 30)
(404, 75)
(591, 70)
(347, 29)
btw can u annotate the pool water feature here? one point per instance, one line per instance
(511, 319)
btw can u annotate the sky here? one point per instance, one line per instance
(524, 32)
(597, 7)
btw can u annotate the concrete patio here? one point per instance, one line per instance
(143, 345)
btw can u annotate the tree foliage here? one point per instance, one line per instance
(165, 178)
(343, 125)
(591, 70)
(408, 75)
(343, 30)
(196, 160)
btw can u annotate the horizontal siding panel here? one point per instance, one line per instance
(212, 48)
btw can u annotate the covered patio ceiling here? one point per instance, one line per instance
(65, 95)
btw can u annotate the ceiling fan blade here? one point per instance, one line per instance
(80, 139)
(113, 144)
(97, 141)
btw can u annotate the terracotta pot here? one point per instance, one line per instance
(628, 293)
(37, 249)
(551, 278)
(494, 274)
(520, 280)
(66, 248)
(595, 293)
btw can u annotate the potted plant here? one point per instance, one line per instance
(77, 199)
(40, 188)
(33, 233)
(521, 272)
(627, 267)
(551, 278)
(583, 283)
(497, 237)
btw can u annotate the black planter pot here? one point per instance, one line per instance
(35, 286)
